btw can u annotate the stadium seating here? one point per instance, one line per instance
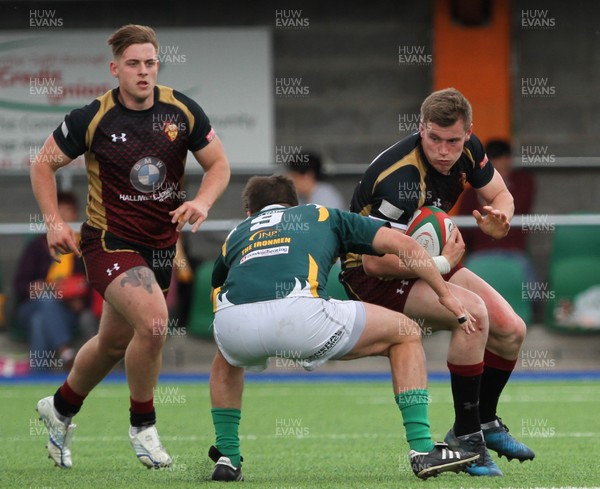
(507, 275)
(574, 267)
(567, 279)
(571, 241)
(334, 288)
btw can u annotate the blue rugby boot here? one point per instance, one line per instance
(498, 438)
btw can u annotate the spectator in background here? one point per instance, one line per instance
(311, 186)
(52, 298)
(522, 187)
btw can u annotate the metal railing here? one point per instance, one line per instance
(527, 222)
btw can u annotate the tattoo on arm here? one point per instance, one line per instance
(139, 277)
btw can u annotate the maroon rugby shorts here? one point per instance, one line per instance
(391, 294)
(107, 256)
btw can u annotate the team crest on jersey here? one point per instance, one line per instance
(171, 130)
(462, 179)
(148, 174)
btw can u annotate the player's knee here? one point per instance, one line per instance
(225, 375)
(479, 311)
(508, 326)
(408, 330)
(518, 330)
(153, 335)
(114, 349)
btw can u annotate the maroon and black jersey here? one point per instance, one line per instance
(135, 161)
(400, 180)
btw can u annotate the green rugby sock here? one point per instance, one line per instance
(227, 422)
(414, 407)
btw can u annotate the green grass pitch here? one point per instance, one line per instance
(299, 436)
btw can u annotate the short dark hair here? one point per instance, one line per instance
(497, 148)
(310, 162)
(260, 192)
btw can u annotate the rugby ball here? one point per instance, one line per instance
(430, 227)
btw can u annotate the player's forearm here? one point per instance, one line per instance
(505, 203)
(405, 258)
(390, 265)
(410, 255)
(420, 263)
(387, 266)
(214, 182)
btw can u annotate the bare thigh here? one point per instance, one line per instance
(114, 332)
(383, 329)
(138, 299)
(424, 307)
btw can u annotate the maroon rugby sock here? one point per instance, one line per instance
(67, 402)
(142, 413)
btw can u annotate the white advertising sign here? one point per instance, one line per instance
(228, 71)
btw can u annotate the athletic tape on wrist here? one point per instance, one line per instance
(442, 264)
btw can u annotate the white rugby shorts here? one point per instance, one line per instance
(309, 330)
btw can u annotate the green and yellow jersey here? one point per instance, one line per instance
(287, 252)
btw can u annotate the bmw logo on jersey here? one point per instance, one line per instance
(148, 174)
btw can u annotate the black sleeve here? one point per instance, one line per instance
(397, 196)
(483, 170)
(201, 133)
(70, 135)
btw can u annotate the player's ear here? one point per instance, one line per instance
(469, 132)
(113, 69)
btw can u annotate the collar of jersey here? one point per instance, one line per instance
(272, 206)
(140, 113)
